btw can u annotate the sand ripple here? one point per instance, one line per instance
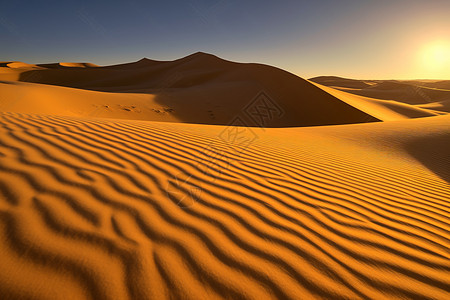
(121, 209)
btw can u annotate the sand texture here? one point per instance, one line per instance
(156, 180)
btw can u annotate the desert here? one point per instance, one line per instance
(222, 149)
(202, 178)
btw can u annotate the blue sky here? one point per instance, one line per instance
(352, 38)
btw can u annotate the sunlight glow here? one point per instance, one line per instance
(436, 55)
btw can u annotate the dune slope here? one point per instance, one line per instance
(203, 88)
(116, 209)
(406, 91)
(384, 110)
(199, 88)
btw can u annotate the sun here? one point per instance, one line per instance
(436, 55)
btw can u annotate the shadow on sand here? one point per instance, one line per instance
(434, 153)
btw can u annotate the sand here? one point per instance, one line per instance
(406, 91)
(176, 204)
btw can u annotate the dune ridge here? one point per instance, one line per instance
(203, 88)
(414, 92)
(110, 204)
(199, 88)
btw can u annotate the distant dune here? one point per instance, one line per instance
(64, 65)
(106, 194)
(406, 91)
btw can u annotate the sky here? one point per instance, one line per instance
(365, 39)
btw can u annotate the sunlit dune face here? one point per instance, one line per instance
(436, 55)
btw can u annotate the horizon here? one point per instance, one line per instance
(326, 75)
(402, 40)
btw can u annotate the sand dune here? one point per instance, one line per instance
(406, 91)
(439, 106)
(384, 110)
(64, 65)
(200, 88)
(109, 209)
(106, 193)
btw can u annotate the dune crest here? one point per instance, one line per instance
(203, 88)
(414, 92)
(199, 88)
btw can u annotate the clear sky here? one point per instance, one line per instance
(370, 39)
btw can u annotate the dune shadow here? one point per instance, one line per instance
(8, 82)
(434, 153)
(202, 89)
